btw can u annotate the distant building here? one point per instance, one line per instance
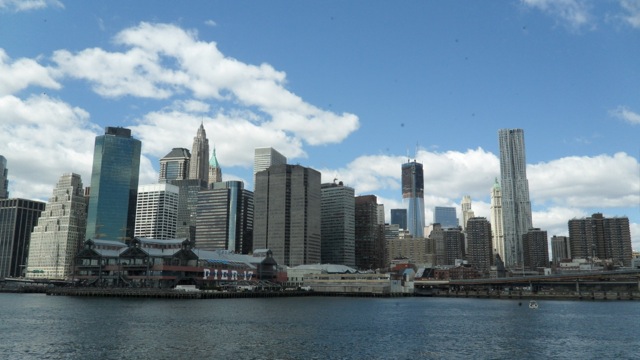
(264, 158)
(225, 218)
(369, 236)
(497, 230)
(399, 217)
(18, 217)
(560, 248)
(536, 249)
(605, 238)
(175, 165)
(157, 211)
(4, 175)
(199, 162)
(480, 254)
(414, 250)
(467, 213)
(413, 197)
(445, 216)
(114, 185)
(60, 231)
(448, 243)
(287, 219)
(516, 206)
(215, 172)
(338, 224)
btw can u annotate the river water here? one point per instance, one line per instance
(36, 326)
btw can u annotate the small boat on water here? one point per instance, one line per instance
(533, 304)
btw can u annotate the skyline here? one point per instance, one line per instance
(352, 90)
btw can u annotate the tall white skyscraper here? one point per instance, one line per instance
(199, 163)
(264, 158)
(497, 230)
(467, 213)
(157, 211)
(56, 239)
(516, 207)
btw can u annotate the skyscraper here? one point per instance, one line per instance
(114, 185)
(175, 165)
(225, 218)
(535, 249)
(480, 254)
(605, 238)
(369, 235)
(17, 220)
(287, 214)
(215, 172)
(413, 197)
(399, 217)
(4, 182)
(516, 207)
(445, 216)
(157, 211)
(560, 248)
(497, 232)
(199, 163)
(467, 213)
(338, 224)
(264, 158)
(56, 239)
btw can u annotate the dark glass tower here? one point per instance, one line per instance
(399, 217)
(18, 217)
(4, 183)
(114, 185)
(413, 196)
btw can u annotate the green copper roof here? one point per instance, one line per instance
(496, 185)
(213, 162)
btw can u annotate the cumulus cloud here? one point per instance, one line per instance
(624, 113)
(22, 73)
(27, 5)
(163, 60)
(573, 13)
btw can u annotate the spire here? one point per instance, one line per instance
(215, 172)
(213, 161)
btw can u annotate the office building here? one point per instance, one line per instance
(157, 211)
(467, 213)
(369, 235)
(535, 249)
(497, 231)
(479, 249)
(215, 171)
(60, 231)
(445, 216)
(448, 244)
(264, 158)
(18, 217)
(413, 197)
(114, 186)
(4, 178)
(287, 220)
(225, 218)
(560, 248)
(338, 224)
(604, 238)
(175, 165)
(516, 207)
(399, 217)
(199, 162)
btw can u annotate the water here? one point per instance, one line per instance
(35, 326)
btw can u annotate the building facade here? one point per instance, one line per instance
(369, 235)
(445, 216)
(338, 224)
(448, 244)
(157, 211)
(467, 212)
(536, 249)
(497, 232)
(175, 165)
(263, 158)
(287, 203)
(413, 197)
(399, 217)
(516, 207)
(601, 237)
(18, 217)
(215, 171)
(199, 162)
(225, 218)
(57, 238)
(114, 185)
(479, 247)
(4, 178)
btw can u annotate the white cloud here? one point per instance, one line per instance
(624, 113)
(632, 12)
(27, 5)
(574, 13)
(22, 73)
(210, 23)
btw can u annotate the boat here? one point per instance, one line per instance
(533, 304)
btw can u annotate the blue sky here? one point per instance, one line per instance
(350, 88)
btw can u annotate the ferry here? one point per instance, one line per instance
(533, 304)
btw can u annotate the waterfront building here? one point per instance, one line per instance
(175, 165)
(338, 224)
(4, 178)
(157, 211)
(448, 244)
(535, 249)
(467, 213)
(497, 230)
(560, 248)
(604, 238)
(479, 249)
(369, 236)
(287, 219)
(263, 158)
(445, 216)
(60, 230)
(215, 172)
(18, 217)
(414, 250)
(225, 218)
(114, 185)
(516, 207)
(413, 197)
(199, 162)
(399, 217)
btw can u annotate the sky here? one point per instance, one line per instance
(352, 89)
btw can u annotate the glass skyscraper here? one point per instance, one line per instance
(114, 186)
(446, 217)
(399, 217)
(413, 197)
(516, 207)
(4, 183)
